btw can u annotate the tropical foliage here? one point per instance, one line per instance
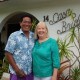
(72, 40)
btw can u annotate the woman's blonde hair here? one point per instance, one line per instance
(35, 33)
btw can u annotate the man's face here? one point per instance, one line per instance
(26, 24)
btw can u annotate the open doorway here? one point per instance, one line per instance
(12, 28)
(13, 23)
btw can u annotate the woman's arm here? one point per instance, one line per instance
(54, 76)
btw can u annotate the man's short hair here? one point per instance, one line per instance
(26, 15)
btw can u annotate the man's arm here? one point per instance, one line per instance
(12, 62)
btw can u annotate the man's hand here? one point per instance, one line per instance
(20, 73)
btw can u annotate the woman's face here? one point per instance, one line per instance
(26, 24)
(41, 31)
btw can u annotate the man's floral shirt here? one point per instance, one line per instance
(21, 48)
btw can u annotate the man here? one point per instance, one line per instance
(18, 51)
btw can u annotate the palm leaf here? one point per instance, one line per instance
(72, 35)
(64, 49)
(75, 73)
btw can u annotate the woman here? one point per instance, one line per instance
(45, 55)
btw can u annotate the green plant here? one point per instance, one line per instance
(4, 67)
(75, 73)
(74, 39)
(64, 49)
(0, 63)
(35, 21)
(66, 52)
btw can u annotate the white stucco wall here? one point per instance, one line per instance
(40, 10)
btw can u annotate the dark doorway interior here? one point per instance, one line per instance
(12, 28)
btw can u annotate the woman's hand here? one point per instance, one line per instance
(53, 78)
